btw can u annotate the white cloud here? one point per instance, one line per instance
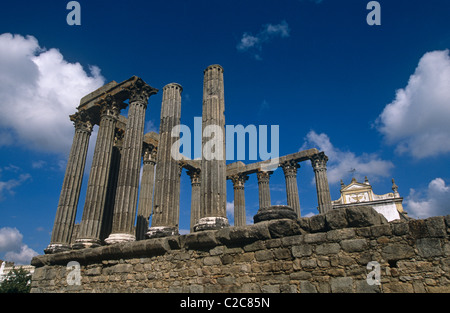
(10, 239)
(342, 162)
(417, 121)
(434, 201)
(9, 185)
(23, 256)
(39, 90)
(253, 43)
(230, 208)
(15, 250)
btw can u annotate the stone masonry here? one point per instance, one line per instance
(325, 253)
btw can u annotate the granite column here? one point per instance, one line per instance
(70, 192)
(264, 188)
(166, 204)
(213, 163)
(290, 174)
(239, 199)
(130, 165)
(319, 164)
(90, 226)
(146, 191)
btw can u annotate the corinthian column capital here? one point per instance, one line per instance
(82, 121)
(319, 162)
(290, 168)
(263, 176)
(239, 180)
(141, 92)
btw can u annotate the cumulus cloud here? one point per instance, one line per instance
(417, 121)
(434, 201)
(253, 43)
(341, 162)
(39, 90)
(13, 248)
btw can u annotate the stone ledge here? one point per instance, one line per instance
(334, 225)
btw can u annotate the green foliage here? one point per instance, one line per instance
(17, 281)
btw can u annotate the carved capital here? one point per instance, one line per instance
(263, 176)
(239, 180)
(110, 107)
(290, 168)
(118, 137)
(195, 176)
(149, 153)
(141, 92)
(319, 162)
(82, 121)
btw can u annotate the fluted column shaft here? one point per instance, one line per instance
(146, 191)
(130, 165)
(239, 199)
(290, 174)
(70, 192)
(213, 165)
(112, 185)
(90, 226)
(195, 197)
(264, 188)
(319, 164)
(166, 204)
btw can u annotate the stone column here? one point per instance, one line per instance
(264, 189)
(146, 192)
(70, 192)
(319, 164)
(195, 196)
(239, 199)
(166, 204)
(112, 184)
(290, 174)
(213, 165)
(90, 226)
(130, 165)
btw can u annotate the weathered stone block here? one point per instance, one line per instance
(307, 287)
(361, 216)
(283, 228)
(301, 251)
(354, 245)
(340, 234)
(397, 252)
(336, 219)
(418, 228)
(328, 248)
(341, 285)
(201, 240)
(317, 223)
(263, 255)
(429, 247)
(436, 226)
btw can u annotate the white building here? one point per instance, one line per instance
(7, 267)
(355, 193)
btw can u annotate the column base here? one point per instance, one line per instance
(211, 223)
(161, 231)
(86, 243)
(118, 238)
(56, 248)
(275, 212)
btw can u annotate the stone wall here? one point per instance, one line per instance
(324, 253)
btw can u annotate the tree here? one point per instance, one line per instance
(17, 281)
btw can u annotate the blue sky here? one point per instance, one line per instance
(374, 98)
